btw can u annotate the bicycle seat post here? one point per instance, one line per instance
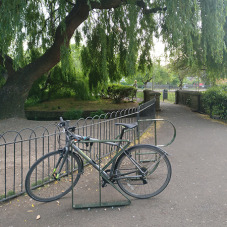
(122, 133)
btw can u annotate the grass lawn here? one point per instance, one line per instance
(73, 104)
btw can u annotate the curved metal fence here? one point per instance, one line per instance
(20, 149)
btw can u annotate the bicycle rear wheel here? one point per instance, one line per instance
(155, 166)
(41, 182)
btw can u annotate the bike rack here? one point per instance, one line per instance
(155, 131)
(101, 202)
(101, 196)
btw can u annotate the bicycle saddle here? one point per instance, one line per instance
(130, 126)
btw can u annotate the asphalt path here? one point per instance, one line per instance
(196, 195)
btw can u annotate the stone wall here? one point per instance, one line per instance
(149, 95)
(189, 98)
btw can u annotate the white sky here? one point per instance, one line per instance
(158, 51)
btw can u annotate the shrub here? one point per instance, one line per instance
(73, 114)
(57, 85)
(81, 89)
(215, 101)
(119, 92)
(98, 113)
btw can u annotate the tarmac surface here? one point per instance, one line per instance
(196, 195)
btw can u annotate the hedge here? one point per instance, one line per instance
(215, 101)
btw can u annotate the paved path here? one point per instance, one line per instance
(196, 195)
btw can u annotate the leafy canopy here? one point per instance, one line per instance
(203, 47)
(117, 35)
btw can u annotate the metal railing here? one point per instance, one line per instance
(20, 149)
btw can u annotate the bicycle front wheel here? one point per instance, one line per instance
(41, 182)
(143, 171)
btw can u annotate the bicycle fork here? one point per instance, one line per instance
(63, 156)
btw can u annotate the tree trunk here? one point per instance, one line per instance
(13, 96)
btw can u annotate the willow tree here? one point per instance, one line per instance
(203, 48)
(118, 34)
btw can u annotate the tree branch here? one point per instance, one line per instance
(78, 14)
(145, 81)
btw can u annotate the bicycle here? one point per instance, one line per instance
(141, 171)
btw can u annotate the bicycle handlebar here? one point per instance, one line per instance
(71, 131)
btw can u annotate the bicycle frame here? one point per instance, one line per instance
(72, 139)
(119, 151)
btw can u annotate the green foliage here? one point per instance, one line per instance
(99, 113)
(61, 83)
(119, 92)
(10, 193)
(203, 47)
(157, 73)
(215, 101)
(73, 114)
(33, 22)
(55, 86)
(114, 44)
(122, 35)
(118, 39)
(81, 89)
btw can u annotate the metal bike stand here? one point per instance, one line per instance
(101, 202)
(155, 131)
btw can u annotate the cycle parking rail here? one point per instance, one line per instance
(155, 121)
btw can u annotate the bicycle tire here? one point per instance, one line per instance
(40, 183)
(153, 161)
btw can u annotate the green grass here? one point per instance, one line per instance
(41, 182)
(139, 94)
(9, 193)
(171, 97)
(2, 197)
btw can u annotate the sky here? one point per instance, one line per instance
(158, 51)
